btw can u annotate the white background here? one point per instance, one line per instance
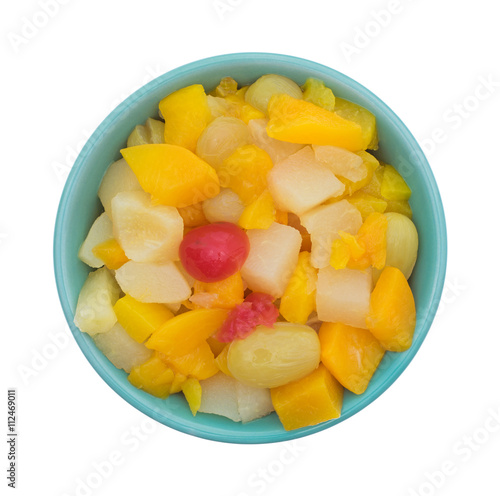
(437, 429)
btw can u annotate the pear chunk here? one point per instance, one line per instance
(225, 396)
(274, 253)
(344, 296)
(323, 224)
(301, 182)
(118, 177)
(153, 282)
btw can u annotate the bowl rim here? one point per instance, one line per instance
(196, 67)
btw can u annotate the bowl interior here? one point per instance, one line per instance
(80, 206)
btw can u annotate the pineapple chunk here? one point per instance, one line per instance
(316, 92)
(225, 207)
(120, 349)
(118, 177)
(361, 116)
(146, 232)
(393, 186)
(344, 296)
(138, 136)
(323, 224)
(101, 231)
(274, 253)
(152, 132)
(341, 162)
(94, 309)
(153, 282)
(367, 204)
(301, 182)
(220, 107)
(192, 392)
(277, 150)
(156, 131)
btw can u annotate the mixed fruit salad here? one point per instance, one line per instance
(251, 253)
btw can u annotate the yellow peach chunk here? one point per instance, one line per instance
(372, 236)
(340, 254)
(356, 248)
(153, 376)
(140, 319)
(111, 253)
(308, 401)
(245, 171)
(177, 383)
(260, 214)
(365, 249)
(221, 294)
(186, 115)
(198, 363)
(351, 354)
(392, 316)
(184, 332)
(173, 175)
(299, 299)
(192, 392)
(298, 121)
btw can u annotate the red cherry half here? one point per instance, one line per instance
(214, 252)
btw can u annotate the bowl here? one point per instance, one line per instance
(79, 206)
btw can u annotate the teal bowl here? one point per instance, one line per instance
(79, 206)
